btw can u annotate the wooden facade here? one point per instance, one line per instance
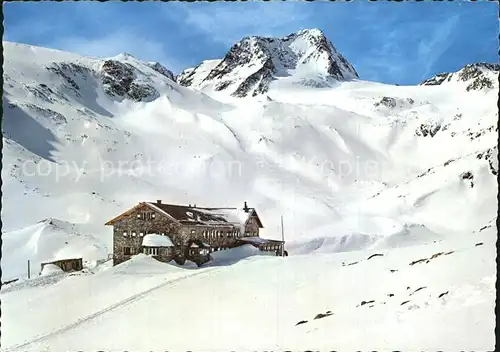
(209, 229)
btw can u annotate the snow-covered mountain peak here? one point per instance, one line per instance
(476, 76)
(125, 56)
(306, 57)
(311, 31)
(68, 77)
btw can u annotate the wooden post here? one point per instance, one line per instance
(282, 238)
(29, 270)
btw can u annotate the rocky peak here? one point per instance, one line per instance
(252, 63)
(125, 56)
(161, 69)
(478, 76)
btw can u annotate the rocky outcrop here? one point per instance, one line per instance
(257, 82)
(428, 129)
(118, 80)
(437, 79)
(387, 101)
(70, 71)
(49, 114)
(162, 70)
(480, 83)
(476, 75)
(491, 156)
(116, 77)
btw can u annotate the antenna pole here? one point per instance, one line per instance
(282, 238)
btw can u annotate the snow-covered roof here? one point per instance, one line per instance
(199, 244)
(258, 240)
(207, 216)
(155, 240)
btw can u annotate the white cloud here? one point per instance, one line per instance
(116, 43)
(430, 50)
(228, 23)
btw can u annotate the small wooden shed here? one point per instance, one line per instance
(73, 264)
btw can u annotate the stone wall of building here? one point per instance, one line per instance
(252, 227)
(163, 254)
(136, 228)
(216, 237)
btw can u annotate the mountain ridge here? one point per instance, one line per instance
(252, 63)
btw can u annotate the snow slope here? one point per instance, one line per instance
(355, 168)
(445, 301)
(47, 240)
(362, 159)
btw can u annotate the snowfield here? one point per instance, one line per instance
(257, 302)
(388, 193)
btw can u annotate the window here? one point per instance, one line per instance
(134, 233)
(127, 251)
(125, 233)
(141, 234)
(150, 251)
(193, 231)
(146, 215)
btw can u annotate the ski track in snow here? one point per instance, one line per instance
(117, 305)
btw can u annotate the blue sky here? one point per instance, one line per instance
(389, 42)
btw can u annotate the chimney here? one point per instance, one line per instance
(245, 207)
(189, 205)
(194, 206)
(158, 201)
